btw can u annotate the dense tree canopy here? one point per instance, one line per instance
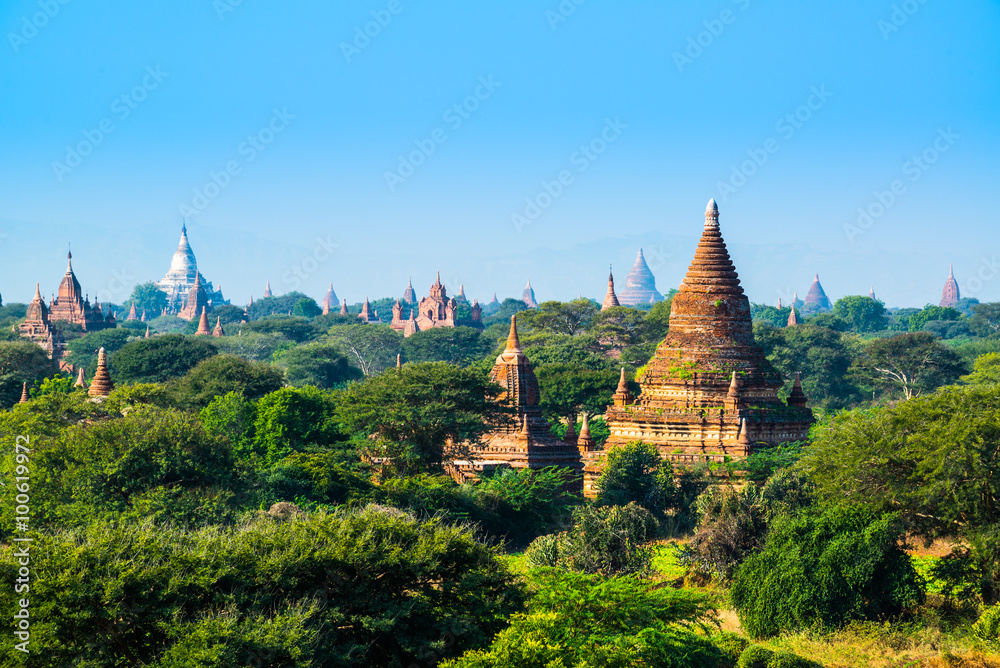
(863, 314)
(147, 297)
(912, 363)
(221, 374)
(21, 362)
(159, 358)
(318, 364)
(455, 345)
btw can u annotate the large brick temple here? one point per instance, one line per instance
(708, 393)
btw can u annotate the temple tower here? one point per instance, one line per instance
(950, 295)
(816, 298)
(640, 284)
(101, 385)
(610, 298)
(528, 296)
(708, 392)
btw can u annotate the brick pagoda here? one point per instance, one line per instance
(528, 442)
(708, 393)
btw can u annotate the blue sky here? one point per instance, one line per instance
(280, 130)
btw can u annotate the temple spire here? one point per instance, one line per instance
(610, 299)
(24, 393)
(203, 329)
(101, 385)
(513, 342)
(792, 318)
(81, 379)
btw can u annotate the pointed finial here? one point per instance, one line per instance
(734, 387)
(712, 206)
(712, 214)
(24, 393)
(513, 343)
(399, 361)
(81, 379)
(951, 270)
(622, 383)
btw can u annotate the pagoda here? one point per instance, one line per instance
(409, 294)
(101, 384)
(528, 441)
(197, 301)
(708, 393)
(180, 278)
(330, 300)
(610, 299)
(528, 296)
(950, 295)
(816, 299)
(71, 306)
(640, 285)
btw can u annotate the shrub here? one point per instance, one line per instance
(826, 569)
(731, 644)
(609, 540)
(755, 656)
(987, 627)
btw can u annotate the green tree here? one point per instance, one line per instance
(280, 305)
(560, 317)
(985, 371)
(770, 315)
(318, 364)
(864, 314)
(307, 308)
(221, 374)
(985, 319)
(586, 620)
(82, 352)
(568, 389)
(455, 345)
(637, 473)
(413, 412)
(21, 362)
(371, 587)
(291, 420)
(931, 312)
(912, 362)
(933, 459)
(147, 297)
(618, 328)
(160, 358)
(294, 328)
(826, 569)
(253, 347)
(822, 356)
(58, 384)
(508, 307)
(372, 348)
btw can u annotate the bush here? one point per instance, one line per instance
(586, 620)
(609, 540)
(826, 570)
(755, 656)
(987, 627)
(731, 644)
(360, 588)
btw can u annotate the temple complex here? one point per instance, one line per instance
(181, 277)
(368, 315)
(435, 310)
(640, 285)
(950, 295)
(708, 393)
(526, 443)
(71, 306)
(528, 296)
(816, 298)
(610, 299)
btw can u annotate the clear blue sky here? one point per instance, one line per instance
(199, 77)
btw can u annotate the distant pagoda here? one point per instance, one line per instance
(180, 278)
(610, 298)
(816, 299)
(640, 285)
(435, 310)
(950, 295)
(709, 392)
(528, 296)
